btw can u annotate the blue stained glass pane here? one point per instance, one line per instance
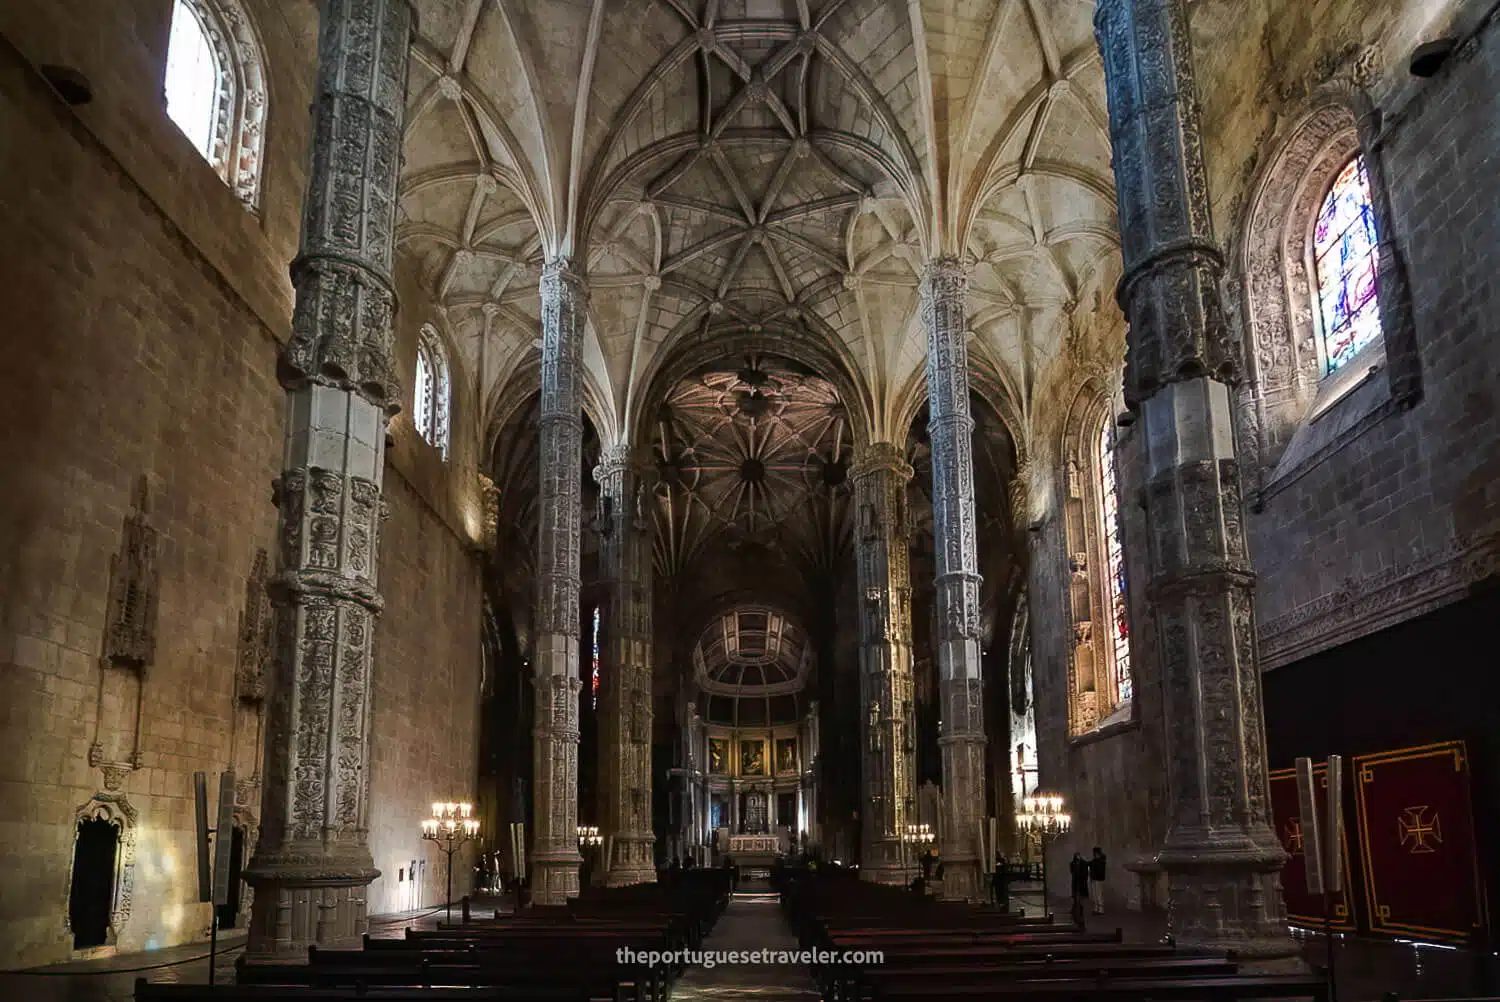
(1344, 255)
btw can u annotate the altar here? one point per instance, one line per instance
(755, 851)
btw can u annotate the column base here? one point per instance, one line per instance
(962, 881)
(1224, 893)
(881, 863)
(554, 877)
(307, 900)
(633, 861)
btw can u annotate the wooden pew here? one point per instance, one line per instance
(146, 991)
(1225, 989)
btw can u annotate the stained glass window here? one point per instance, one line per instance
(1109, 497)
(595, 675)
(432, 395)
(1344, 257)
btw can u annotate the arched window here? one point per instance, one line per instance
(1344, 252)
(594, 664)
(433, 395)
(1109, 515)
(215, 89)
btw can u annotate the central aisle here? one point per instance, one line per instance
(751, 922)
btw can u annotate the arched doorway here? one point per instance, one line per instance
(91, 899)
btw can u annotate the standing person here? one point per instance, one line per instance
(1096, 880)
(1078, 869)
(999, 886)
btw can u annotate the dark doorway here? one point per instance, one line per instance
(93, 882)
(229, 911)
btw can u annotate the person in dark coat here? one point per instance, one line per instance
(1078, 868)
(1096, 880)
(999, 886)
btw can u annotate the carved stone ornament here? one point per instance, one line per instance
(312, 861)
(135, 583)
(1220, 854)
(257, 635)
(115, 809)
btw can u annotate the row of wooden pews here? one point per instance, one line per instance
(933, 950)
(565, 954)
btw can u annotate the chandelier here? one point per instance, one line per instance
(1043, 815)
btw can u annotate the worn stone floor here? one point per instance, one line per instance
(1367, 969)
(753, 921)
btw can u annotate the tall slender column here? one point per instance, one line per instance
(1221, 856)
(883, 565)
(555, 859)
(625, 709)
(312, 862)
(944, 314)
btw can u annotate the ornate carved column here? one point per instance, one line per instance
(625, 707)
(883, 564)
(1222, 859)
(555, 858)
(312, 862)
(944, 314)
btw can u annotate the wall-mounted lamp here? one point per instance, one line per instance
(1428, 58)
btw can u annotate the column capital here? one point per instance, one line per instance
(945, 277)
(880, 457)
(559, 277)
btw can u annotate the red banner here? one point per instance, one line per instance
(1416, 834)
(1303, 908)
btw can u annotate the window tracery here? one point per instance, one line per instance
(215, 89)
(1109, 516)
(1345, 262)
(1100, 680)
(433, 393)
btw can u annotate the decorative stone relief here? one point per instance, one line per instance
(944, 314)
(882, 562)
(130, 633)
(114, 808)
(1221, 857)
(312, 862)
(555, 858)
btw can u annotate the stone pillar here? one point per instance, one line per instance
(883, 565)
(555, 858)
(312, 862)
(944, 314)
(625, 705)
(1220, 854)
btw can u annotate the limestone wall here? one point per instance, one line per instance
(143, 307)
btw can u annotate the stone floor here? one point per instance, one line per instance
(753, 921)
(1367, 969)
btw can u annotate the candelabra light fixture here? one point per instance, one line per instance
(916, 835)
(589, 835)
(1042, 814)
(450, 826)
(1042, 817)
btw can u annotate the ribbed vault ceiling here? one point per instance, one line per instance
(759, 172)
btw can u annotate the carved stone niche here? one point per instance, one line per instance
(129, 645)
(114, 809)
(257, 633)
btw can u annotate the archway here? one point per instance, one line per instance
(91, 897)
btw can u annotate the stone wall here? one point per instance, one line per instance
(144, 309)
(1396, 512)
(1113, 779)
